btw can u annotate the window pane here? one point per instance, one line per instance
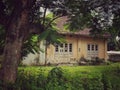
(66, 47)
(96, 47)
(61, 45)
(70, 47)
(56, 48)
(92, 47)
(88, 47)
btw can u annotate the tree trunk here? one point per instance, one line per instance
(16, 33)
(11, 60)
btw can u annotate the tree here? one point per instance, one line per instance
(29, 46)
(17, 30)
(21, 18)
(100, 15)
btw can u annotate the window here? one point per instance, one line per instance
(63, 48)
(56, 48)
(70, 47)
(96, 47)
(92, 47)
(66, 47)
(92, 50)
(88, 47)
(61, 45)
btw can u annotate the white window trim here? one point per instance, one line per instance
(61, 50)
(93, 50)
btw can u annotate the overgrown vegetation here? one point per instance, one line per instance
(68, 78)
(93, 61)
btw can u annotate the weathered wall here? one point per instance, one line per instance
(79, 45)
(79, 50)
(102, 46)
(52, 57)
(37, 58)
(31, 59)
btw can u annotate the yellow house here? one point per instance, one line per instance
(79, 45)
(76, 47)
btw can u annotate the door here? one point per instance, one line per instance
(92, 51)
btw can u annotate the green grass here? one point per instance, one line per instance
(70, 71)
(101, 77)
(104, 77)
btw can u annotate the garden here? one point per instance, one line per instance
(101, 77)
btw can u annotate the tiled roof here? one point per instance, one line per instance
(85, 32)
(60, 24)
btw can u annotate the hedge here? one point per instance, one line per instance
(68, 78)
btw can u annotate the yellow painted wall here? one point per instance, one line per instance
(102, 46)
(79, 49)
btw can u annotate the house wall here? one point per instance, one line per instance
(102, 46)
(52, 57)
(36, 58)
(79, 50)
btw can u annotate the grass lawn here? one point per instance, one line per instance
(71, 71)
(102, 77)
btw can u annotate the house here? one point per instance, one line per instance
(78, 45)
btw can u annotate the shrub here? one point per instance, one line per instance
(28, 81)
(77, 84)
(106, 82)
(83, 61)
(56, 80)
(97, 61)
(93, 61)
(111, 78)
(100, 78)
(92, 84)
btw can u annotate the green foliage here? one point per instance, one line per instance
(51, 34)
(106, 82)
(113, 44)
(28, 80)
(94, 61)
(56, 80)
(31, 45)
(68, 78)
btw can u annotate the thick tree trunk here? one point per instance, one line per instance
(11, 60)
(16, 34)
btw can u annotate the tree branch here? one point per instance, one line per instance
(52, 21)
(45, 10)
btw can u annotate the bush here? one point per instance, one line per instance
(83, 61)
(94, 61)
(97, 61)
(101, 78)
(28, 81)
(56, 80)
(106, 82)
(92, 84)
